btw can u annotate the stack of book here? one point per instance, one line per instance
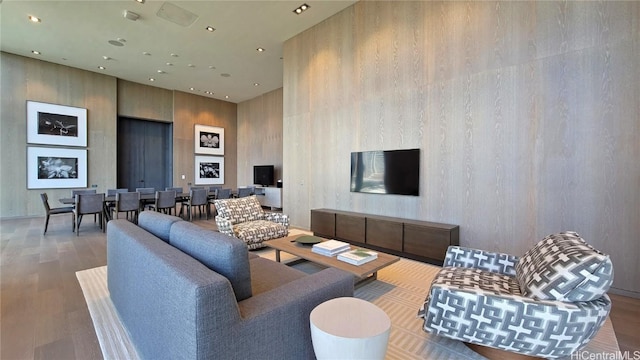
(330, 247)
(358, 256)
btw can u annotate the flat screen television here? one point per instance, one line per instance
(386, 172)
(263, 175)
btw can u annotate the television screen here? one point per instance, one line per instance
(263, 175)
(386, 172)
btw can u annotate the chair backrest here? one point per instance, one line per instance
(196, 187)
(223, 194)
(244, 192)
(215, 188)
(198, 197)
(82, 192)
(113, 192)
(178, 190)
(165, 199)
(89, 203)
(146, 190)
(45, 202)
(128, 201)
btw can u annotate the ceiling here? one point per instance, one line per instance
(223, 64)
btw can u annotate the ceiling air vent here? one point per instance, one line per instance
(176, 14)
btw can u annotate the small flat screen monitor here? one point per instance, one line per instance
(263, 175)
(386, 172)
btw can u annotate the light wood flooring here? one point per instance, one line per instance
(43, 313)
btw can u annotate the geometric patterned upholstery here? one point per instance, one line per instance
(240, 210)
(564, 267)
(476, 298)
(255, 232)
(243, 218)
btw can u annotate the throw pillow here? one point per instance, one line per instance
(564, 267)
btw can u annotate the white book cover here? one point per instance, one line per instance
(331, 245)
(358, 256)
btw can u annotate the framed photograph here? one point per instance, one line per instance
(209, 170)
(56, 124)
(209, 140)
(54, 168)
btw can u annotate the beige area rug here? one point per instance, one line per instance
(399, 290)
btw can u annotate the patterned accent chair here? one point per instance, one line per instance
(548, 303)
(243, 218)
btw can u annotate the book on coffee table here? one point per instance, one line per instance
(358, 256)
(330, 247)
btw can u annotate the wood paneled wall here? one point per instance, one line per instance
(106, 98)
(527, 115)
(190, 110)
(29, 79)
(260, 135)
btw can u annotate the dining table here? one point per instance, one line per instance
(144, 199)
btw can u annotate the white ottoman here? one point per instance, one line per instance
(349, 328)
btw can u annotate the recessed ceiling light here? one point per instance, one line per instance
(174, 55)
(226, 96)
(140, 1)
(191, 88)
(210, 28)
(169, 64)
(191, 65)
(260, 49)
(35, 52)
(146, 53)
(212, 67)
(301, 8)
(225, 75)
(161, 72)
(152, 79)
(34, 19)
(101, 67)
(116, 43)
(256, 84)
(106, 57)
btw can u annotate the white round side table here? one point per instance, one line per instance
(349, 328)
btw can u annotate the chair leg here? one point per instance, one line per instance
(46, 224)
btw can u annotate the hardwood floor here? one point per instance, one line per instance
(43, 314)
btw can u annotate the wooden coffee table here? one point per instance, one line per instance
(367, 271)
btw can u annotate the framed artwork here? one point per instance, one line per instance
(209, 170)
(52, 168)
(56, 124)
(209, 140)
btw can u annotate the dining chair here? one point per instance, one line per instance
(198, 198)
(54, 211)
(244, 192)
(148, 190)
(113, 192)
(88, 204)
(128, 202)
(182, 200)
(165, 201)
(83, 192)
(220, 194)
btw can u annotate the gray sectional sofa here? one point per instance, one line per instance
(183, 292)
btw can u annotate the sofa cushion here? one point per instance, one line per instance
(223, 254)
(268, 275)
(564, 267)
(240, 210)
(253, 233)
(157, 223)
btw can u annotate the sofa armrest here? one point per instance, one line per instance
(458, 256)
(277, 218)
(287, 308)
(225, 226)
